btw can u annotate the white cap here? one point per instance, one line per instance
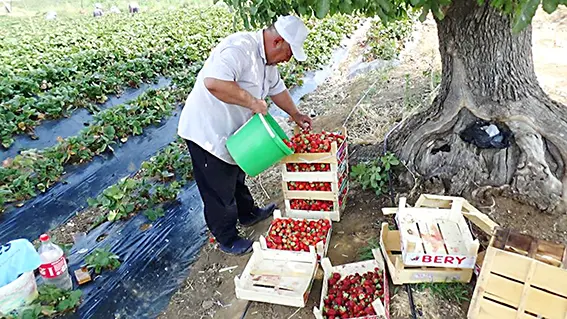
(293, 31)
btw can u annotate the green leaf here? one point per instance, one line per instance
(109, 131)
(106, 202)
(525, 14)
(386, 6)
(424, 12)
(302, 10)
(550, 6)
(323, 8)
(92, 202)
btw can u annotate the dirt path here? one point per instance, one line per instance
(372, 103)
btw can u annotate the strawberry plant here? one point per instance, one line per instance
(51, 302)
(352, 296)
(154, 214)
(297, 235)
(172, 161)
(102, 259)
(375, 173)
(386, 41)
(150, 187)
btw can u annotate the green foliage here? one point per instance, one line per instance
(173, 160)
(51, 302)
(453, 292)
(387, 41)
(159, 180)
(365, 253)
(522, 11)
(102, 259)
(375, 174)
(154, 214)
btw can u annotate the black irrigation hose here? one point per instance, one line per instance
(393, 199)
(412, 305)
(246, 310)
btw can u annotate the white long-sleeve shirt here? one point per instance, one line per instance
(209, 122)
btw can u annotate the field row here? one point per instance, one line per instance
(33, 172)
(50, 68)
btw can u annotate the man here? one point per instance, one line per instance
(240, 73)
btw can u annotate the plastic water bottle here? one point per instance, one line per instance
(53, 268)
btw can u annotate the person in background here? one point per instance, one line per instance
(231, 87)
(98, 10)
(133, 7)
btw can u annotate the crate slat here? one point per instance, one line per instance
(453, 238)
(491, 310)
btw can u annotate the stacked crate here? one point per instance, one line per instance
(301, 171)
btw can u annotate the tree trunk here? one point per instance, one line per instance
(488, 74)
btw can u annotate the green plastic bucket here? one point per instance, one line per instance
(258, 144)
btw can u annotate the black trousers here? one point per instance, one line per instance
(224, 194)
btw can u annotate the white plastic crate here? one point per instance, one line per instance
(382, 309)
(277, 277)
(321, 249)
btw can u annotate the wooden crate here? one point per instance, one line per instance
(277, 277)
(521, 277)
(390, 245)
(436, 237)
(321, 248)
(382, 309)
(337, 159)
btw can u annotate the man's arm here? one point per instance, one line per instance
(284, 101)
(220, 79)
(231, 93)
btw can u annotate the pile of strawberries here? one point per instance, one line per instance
(301, 167)
(312, 186)
(307, 186)
(309, 142)
(297, 235)
(313, 205)
(352, 296)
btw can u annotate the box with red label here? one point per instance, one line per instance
(390, 244)
(315, 185)
(277, 276)
(362, 290)
(436, 237)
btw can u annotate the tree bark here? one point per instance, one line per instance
(488, 73)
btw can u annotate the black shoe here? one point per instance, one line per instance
(259, 215)
(239, 247)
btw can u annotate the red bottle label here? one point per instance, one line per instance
(53, 269)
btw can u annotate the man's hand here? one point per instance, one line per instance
(302, 120)
(259, 106)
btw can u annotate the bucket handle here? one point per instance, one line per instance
(268, 128)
